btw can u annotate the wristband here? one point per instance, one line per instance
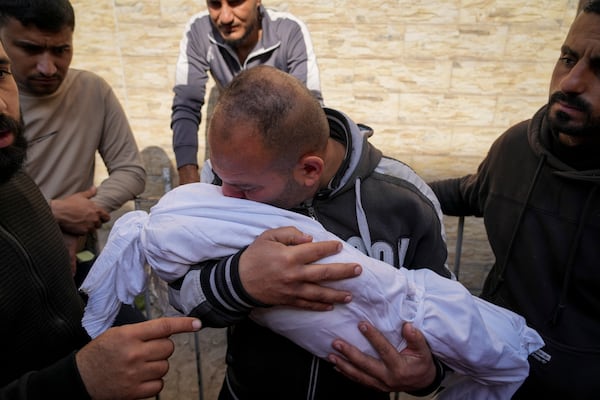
(440, 374)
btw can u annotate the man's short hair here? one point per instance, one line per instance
(287, 116)
(46, 15)
(592, 6)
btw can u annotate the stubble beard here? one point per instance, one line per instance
(561, 122)
(13, 156)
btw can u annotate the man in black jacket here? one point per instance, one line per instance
(272, 142)
(46, 353)
(537, 191)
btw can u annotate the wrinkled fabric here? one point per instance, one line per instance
(196, 222)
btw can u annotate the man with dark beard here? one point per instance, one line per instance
(13, 147)
(70, 116)
(230, 37)
(537, 191)
(46, 353)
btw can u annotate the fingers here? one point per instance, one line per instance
(331, 272)
(302, 249)
(387, 352)
(359, 366)
(165, 327)
(286, 235)
(367, 363)
(415, 341)
(314, 295)
(149, 388)
(307, 253)
(103, 216)
(153, 370)
(129, 361)
(274, 272)
(411, 369)
(326, 304)
(89, 193)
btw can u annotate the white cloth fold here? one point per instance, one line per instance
(196, 222)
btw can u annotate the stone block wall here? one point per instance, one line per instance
(438, 81)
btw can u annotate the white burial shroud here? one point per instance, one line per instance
(192, 223)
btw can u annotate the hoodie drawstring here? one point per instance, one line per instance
(500, 273)
(361, 219)
(571, 259)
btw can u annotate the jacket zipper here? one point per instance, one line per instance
(310, 209)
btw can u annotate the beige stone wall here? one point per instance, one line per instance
(437, 80)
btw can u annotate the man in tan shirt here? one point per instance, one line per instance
(69, 114)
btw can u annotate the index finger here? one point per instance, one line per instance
(103, 215)
(387, 352)
(287, 235)
(165, 327)
(379, 342)
(308, 253)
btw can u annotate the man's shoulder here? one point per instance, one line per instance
(78, 73)
(282, 20)
(515, 135)
(392, 168)
(199, 18)
(199, 23)
(85, 79)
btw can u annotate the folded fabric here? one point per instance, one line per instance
(195, 222)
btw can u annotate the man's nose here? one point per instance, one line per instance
(46, 65)
(577, 79)
(226, 14)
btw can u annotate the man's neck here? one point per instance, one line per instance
(334, 156)
(575, 141)
(243, 50)
(581, 153)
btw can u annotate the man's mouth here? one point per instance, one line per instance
(46, 80)
(7, 138)
(228, 29)
(568, 108)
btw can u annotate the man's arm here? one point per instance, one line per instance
(269, 272)
(127, 362)
(302, 61)
(188, 174)
(467, 195)
(119, 151)
(191, 77)
(452, 195)
(60, 380)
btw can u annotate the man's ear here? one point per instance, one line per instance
(309, 169)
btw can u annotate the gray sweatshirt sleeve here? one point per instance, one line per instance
(191, 77)
(120, 153)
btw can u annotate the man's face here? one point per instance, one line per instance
(40, 59)
(12, 141)
(249, 172)
(236, 20)
(574, 101)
